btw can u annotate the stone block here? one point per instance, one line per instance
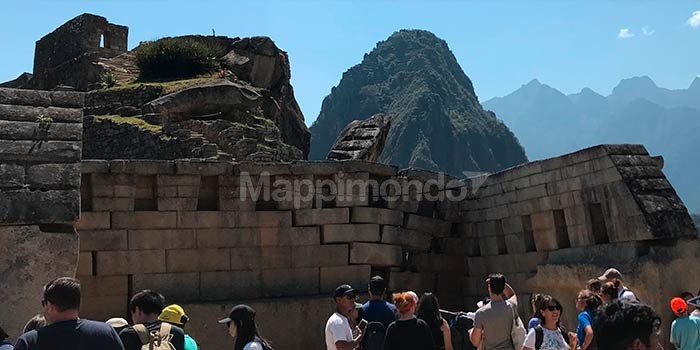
(290, 282)
(144, 220)
(39, 207)
(10, 111)
(142, 167)
(93, 221)
(111, 179)
(489, 245)
(178, 180)
(531, 192)
(376, 254)
(227, 237)
(411, 239)
(230, 285)
(50, 151)
(177, 204)
(471, 247)
(203, 167)
(89, 166)
(515, 243)
(130, 262)
(204, 219)
(265, 219)
(474, 286)
(343, 233)
(96, 286)
(476, 266)
(417, 282)
(102, 308)
(272, 257)
(290, 236)
(320, 255)
(466, 230)
(580, 235)
(177, 287)
(528, 262)
(356, 275)
(53, 175)
(103, 240)
(124, 191)
(376, 216)
(197, 260)
(546, 239)
(84, 264)
(437, 228)
(486, 228)
(257, 168)
(315, 217)
(12, 175)
(161, 239)
(112, 204)
(542, 221)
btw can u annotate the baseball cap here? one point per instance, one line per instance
(342, 290)
(174, 314)
(376, 282)
(678, 305)
(239, 312)
(611, 273)
(117, 322)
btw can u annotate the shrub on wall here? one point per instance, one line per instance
(176, 58)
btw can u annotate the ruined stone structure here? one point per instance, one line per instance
(362, 139)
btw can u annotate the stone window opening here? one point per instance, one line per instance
(600, 231)
(145, 193)
(105, 41)
(208, 194)
(528, 234)
(562, 231)
(85, 192)
(102, 40)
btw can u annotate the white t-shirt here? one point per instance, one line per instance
(551, 340)
(253, 346)
(337, 329)
(626, 294)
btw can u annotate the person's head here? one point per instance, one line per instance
(537, 300)
(610, 274)
(629, 326)
(37, 322)
(429, 309)
(61, 299)
(687, 296)
(145, 306)
(587, 300)
(357, 313)
(376, 287)
(241, 325)
(594, 285)
(344, 297)
(550, 310)
(405, 303)
(608, 292)
(174, 314)
(117, 323)
(495, 284)
(679, 307)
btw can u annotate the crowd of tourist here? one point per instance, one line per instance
(610, 317)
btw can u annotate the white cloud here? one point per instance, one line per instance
(646, 30)
(694, 20)
(625, 33)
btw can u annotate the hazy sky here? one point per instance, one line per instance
(499, 44)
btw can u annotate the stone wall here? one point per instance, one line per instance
(40, 144)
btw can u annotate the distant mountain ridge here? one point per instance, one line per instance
(549, 123)
(437, 121)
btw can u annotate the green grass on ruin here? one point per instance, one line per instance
(140, 123)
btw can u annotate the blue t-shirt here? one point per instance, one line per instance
(71, 334)
(380, 311)
(534, 322)
(685, 331)
(6, 345)
(585, 318)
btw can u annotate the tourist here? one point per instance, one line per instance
(537, 300)
(376, 309)
(687, 296)
(36, 322)
(696, 312)
(429, 311)
(145, 307)
(621, 325)
(609, 292)
(493, 321)
(5, 343)
(408, 332)
(548, 335)
(64, 329)
(338, 332)
(594, 285)
(241, 326)
(117, 323)
(587, 303)
(175, 315)
(611, 275)
(685, 330)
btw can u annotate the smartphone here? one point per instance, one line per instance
(362, 324)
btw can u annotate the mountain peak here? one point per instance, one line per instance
(641, 82)
(695, 85)
(533, 83)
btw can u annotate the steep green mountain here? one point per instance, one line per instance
(666, 121)
(437, 123)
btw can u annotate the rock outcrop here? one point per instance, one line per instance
(437, 124)
(362, 139)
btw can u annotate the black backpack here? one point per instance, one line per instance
(374, 336)
(539, 336)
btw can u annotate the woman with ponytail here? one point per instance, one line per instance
(408, 332)
(241, 326)
(587, 303)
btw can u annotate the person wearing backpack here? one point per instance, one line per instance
(175, 315)
(549, 335)
(148, 332)
(429, 311)
(241, 326)
(408, 332)
(587, 303)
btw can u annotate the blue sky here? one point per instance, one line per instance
(499, 44)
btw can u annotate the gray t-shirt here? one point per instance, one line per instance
(496, 320)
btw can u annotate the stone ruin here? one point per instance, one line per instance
(183, 227)
(362, 139)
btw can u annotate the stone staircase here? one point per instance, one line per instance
(122, 67)
(208, 149)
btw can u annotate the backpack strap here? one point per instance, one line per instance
(143, 334)
(539, 337)
(165, 328)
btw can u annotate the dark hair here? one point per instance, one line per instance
(3, 334)
(619, 323)
(497, 283)
(429, 310)
(610, 289)
(548, 300)
(686, 295)
(64, 293)
(377, 286)
(537, 300)
(594, 285)
(148, 301)
(591, 299)
(247, 329)
(37, 322)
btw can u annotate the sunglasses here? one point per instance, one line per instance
(552, 308)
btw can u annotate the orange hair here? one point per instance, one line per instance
(403, 301)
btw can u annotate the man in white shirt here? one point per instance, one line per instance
(613, 274)
(338, 331)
